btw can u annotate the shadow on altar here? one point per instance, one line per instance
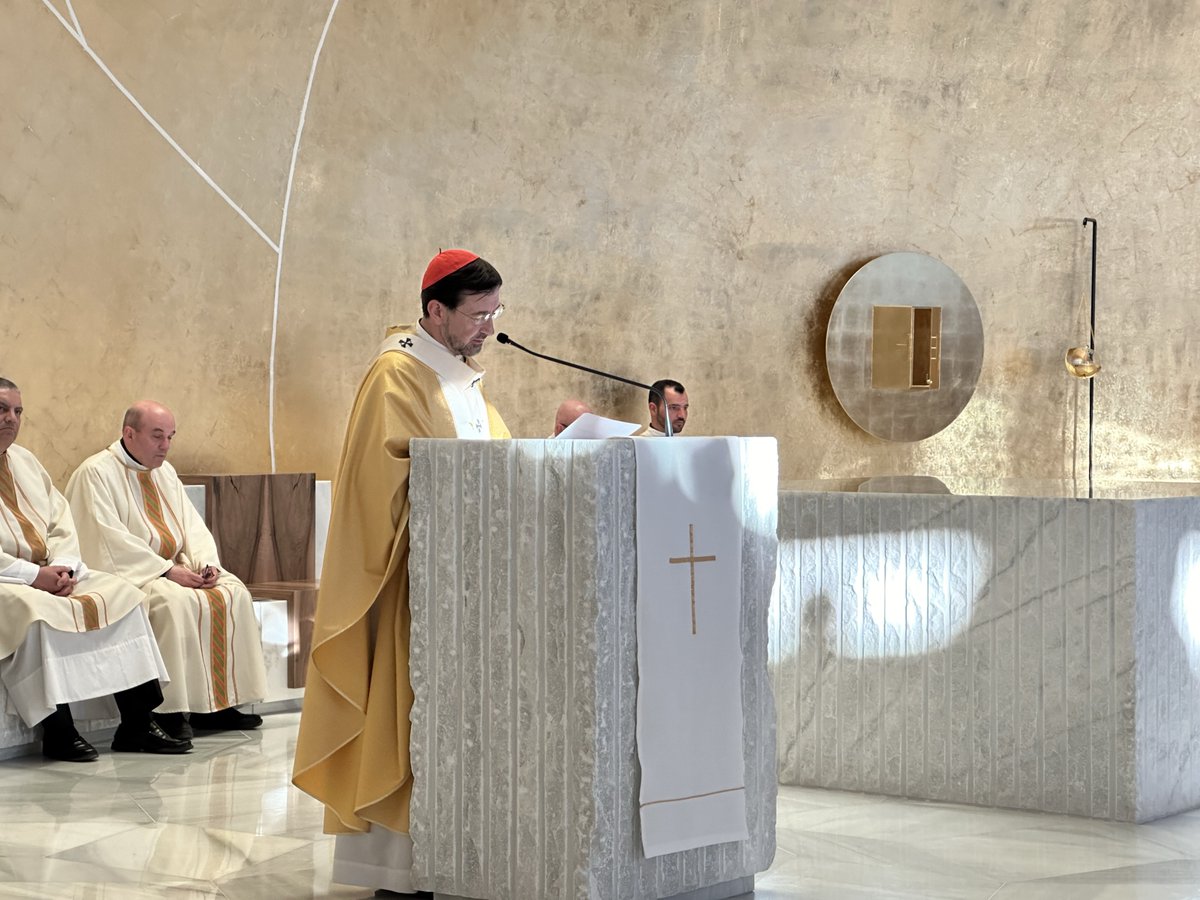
(1026, 653)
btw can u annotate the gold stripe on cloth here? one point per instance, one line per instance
(8, 494)
(218, 618)
(91, 611)
(153, 503)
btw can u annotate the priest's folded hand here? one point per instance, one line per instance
(185, 576)
(55, 580)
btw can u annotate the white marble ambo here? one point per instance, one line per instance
(524, 672)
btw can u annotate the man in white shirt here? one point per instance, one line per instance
(675, 406)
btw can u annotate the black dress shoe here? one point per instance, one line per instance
(152, 739)
(175, 725)
(76, 750)
(228, 719)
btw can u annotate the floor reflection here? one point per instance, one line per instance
(225, 822)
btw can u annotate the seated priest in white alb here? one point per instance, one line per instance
(676, 406)
(135, 519)
(67, 633)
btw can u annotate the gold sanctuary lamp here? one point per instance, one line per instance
(1081, 362)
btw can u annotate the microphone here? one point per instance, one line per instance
(503, 338)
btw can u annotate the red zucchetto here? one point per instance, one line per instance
(446, 263)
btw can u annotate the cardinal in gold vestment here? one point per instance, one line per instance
(353, 747)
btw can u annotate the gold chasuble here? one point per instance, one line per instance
(36, 529)
(352, 749)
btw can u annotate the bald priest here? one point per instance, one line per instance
(135, 519)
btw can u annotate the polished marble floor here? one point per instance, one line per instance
(225, 822)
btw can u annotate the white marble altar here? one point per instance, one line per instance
(523, 667)
(1030, 652)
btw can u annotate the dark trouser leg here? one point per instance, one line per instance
(135, 704)
(138, 732)
(59, 725)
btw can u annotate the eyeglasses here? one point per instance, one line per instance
(481, 318)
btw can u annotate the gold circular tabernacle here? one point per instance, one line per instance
(1081, 363)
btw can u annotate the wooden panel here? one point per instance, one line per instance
(263, 525)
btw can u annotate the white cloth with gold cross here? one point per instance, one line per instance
(689, 599)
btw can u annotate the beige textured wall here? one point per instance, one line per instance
(670, 189)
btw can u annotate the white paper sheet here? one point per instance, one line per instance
(590, 426)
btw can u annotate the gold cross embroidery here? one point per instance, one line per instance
(691, 559)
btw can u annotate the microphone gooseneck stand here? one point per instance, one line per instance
(503, 338)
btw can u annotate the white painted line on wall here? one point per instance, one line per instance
(78, 28)
(162, 131)
(287, 199)
(77, 33)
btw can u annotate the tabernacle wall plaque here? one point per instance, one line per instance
(904, 346)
